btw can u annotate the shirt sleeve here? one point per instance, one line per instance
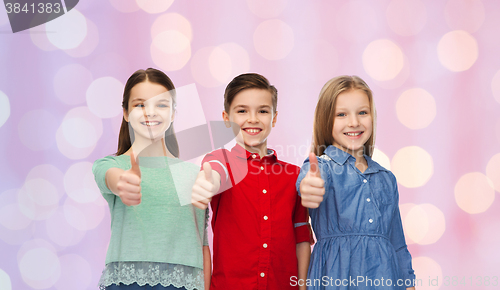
(100, 167)
(218, 163)
(303, 231)
(397, 239)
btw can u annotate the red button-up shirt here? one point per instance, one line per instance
(257, 221)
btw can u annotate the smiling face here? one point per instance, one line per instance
(353, 123)
(252, 111)
(150, 111)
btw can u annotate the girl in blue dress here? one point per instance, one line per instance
(353, 200)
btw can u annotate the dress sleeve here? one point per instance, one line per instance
(100, 167)
(397, 239)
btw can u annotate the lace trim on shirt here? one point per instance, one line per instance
(152, 273)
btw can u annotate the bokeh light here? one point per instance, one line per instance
(38, 199)
(457, 50)
(174, 22)
(50, 173)
(413, 166)
(76, 273)
(37, 129)
(71, 82)
(493, 171)
(83, 216)
(89, 43)
(5, 283)
(60, 231)
(219, 63)
(273, 39)
(79, 183)
(357, 21)
(11, 217)
(125, 6)
(40, 267)
(383, 60)
(424, 224)
(104, 97)
(154, 6)
(381, 158)
(40, 39)
(407, 17)
(4, 108)
(170, 50)
(267, 9)
(474, 192)
(495, 86)
(416, 108)
(428, 270)
(465, 15)
(69, 31)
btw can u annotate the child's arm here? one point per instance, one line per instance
(207, 266)
(303, 257)
(207, 184)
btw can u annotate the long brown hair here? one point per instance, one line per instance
(126, 138)
(325, 112)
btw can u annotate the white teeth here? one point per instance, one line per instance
(150, 123)
(252, 130)
(353, 134)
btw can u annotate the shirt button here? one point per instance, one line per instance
(368, 199)
(262, 274)
(370, 220)
(365, 181)
(262, 168)
(264, 191)
(253, 155)
(266, 218)
(265, 246)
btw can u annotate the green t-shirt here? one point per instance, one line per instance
(164, 227)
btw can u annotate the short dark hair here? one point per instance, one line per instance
(245, 82)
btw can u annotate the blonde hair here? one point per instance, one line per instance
(325, 112)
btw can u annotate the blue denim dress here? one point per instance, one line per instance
(360, 240)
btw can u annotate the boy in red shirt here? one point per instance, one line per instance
(262, 235)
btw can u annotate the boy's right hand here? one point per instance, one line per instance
(205, 187)
(312, 187)
(129, 184)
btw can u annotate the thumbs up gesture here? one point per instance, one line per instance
(129, 184)
(312, 187)
(207, 184)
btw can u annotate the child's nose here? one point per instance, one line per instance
(150, 111)
(353, 121)
(252, 118)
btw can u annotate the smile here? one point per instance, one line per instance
(151, 123)
(252, 131)
(353, 134)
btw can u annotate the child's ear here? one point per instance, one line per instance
(225, 117)
(125, 115)
(275, 118)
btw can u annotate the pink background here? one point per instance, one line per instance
(433, 67)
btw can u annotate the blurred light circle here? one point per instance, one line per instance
(71, 83)
(84, 117)
(474, 193)
(383, 60)
(76, 273)
(200, 68)
(381, 158)
(219, 63)
(104, 97)
(357, 21)
(424, 224)
(37, 129)
(61, 232)
(430, 269)
(457, 50)
(170, 50)
(267, 9)
(83, 217)
(465, 15)
(498, 130)
(12, 218)
(273, 39)
(79, 183)
(5, 283)
(407, 17)
(38, 199)
(154, 6)
(240, 61)
(50, 173)
(40, 268)
(4, 108)
(493, 171)
(412, 166)
(404, 209)
(88, 44)
(172, 22)
(79, 132)
(495, 86)
(125, 6)
(69, 31)
(416, 108)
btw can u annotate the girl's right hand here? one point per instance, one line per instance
(207, 184)
(129, 184)
(312, 187)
